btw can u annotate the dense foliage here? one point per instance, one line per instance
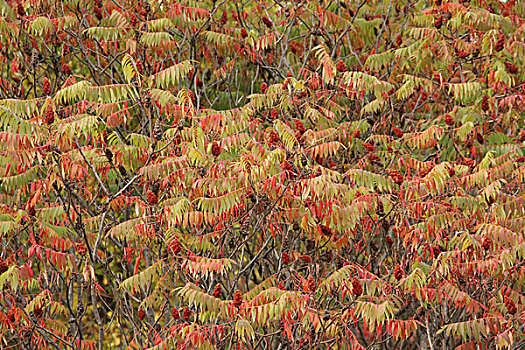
(278, 175)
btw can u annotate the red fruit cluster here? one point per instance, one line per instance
(46, 87)
(357, 288)
(389, 240)
(81, 249)
(511, 68)
(296, 47)
(325, 230)
(142, 314)
(152, 197)
(244, 33)
(186, 314)
(311, 284)
(449, 120)
(98, 13)
(299, 126)
(274, 138)
(469, 162)
(66, 69)
(306, 258)
(274, 114)
(287, 168)
(395, 176)
(500, 44)
(20, 9)
(175, 313)
(398, 132)
(357, 133)
(237, 299)
(485, 103)
(486, 243)
(341, 67)
(140, 68)
(3, 266)
(438, 22)
(286, 258)
(373, 157)
(49, 118)
(398, 272)
(510, 305)
(399, 39)
(267, 22)
(369, 147)
(264, 87)
(175, 247)
(37, 311)
(215, 149)
(217, 291)
(31, 211)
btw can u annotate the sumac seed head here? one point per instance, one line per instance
(237, 299)
(217, 291)
(142, 314)
(357, 288)
(285, 258)
(215, 149)
(341, 67)
(152, 197)
(186, 314)
(311, 284)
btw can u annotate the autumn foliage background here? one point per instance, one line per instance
(262, 174)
